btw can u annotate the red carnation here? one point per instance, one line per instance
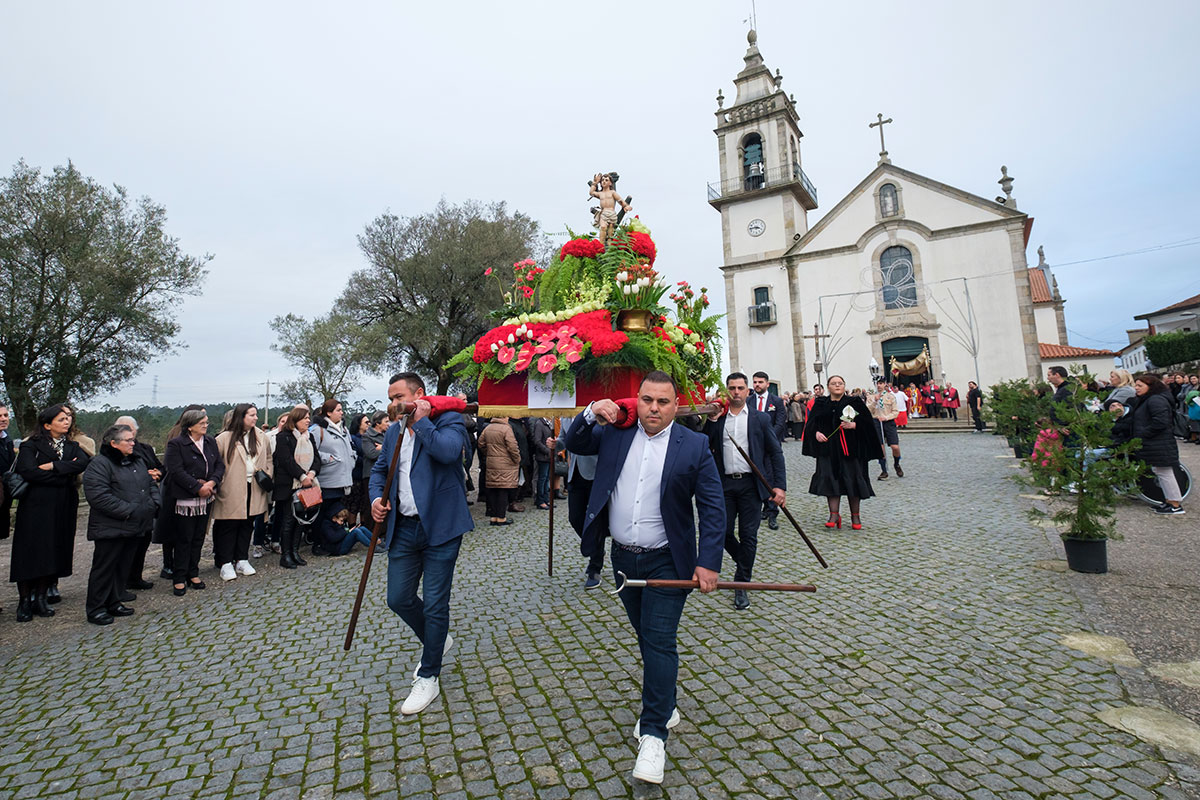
(581, 248)
(643, 245)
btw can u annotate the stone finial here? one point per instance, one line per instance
(1006, 186)
(720, 99)
(752, 37)
(778, 78)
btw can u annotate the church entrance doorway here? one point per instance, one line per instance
(907, 351)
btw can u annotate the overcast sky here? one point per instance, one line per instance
(273, 132)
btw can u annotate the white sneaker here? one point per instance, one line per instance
(652, 758)
(671, 723)
(227, 573)
(244, 568)
(424, 691)
(445, 649)
(257, 552)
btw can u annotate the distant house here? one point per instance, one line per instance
(1181, 316)
(1133, 355)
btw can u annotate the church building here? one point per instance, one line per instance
(905, 275)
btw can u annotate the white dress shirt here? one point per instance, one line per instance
(406, 502)
(901, 401)
(634, 508)
(760, 401)
(736, 426)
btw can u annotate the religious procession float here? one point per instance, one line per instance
(592, 323)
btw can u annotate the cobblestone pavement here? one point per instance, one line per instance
(929, 664)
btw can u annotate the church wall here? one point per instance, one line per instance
(763, 347)
(1047, 324)
(939, 210)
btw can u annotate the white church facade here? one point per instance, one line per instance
(904, 270)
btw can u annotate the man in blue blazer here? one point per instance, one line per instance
(426, 513)
(646, 478)
(744, 492)
(771, 405)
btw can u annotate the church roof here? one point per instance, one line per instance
(937, 186)
(1039, 287)
(1066, 351)
(1191, 302)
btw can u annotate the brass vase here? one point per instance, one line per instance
(634, 320)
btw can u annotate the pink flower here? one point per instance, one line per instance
(1046, 462)
(547, 363)
(487, 272)
(506, 354)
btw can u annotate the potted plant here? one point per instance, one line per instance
(1074, 457)
(1014, 411)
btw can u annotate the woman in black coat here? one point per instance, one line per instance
(194, 472)
(164, 526)
(1153, 423)
(44, 535)
(297, 463)
(843, 449)
(123, 498)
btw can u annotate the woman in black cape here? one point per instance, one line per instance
(843, 449)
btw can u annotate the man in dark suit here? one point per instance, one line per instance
(771, 405)
(426, 513)
(646, 478)
(581, 472)
(744, 492)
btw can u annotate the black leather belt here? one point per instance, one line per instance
(633, 548)
(737, 476)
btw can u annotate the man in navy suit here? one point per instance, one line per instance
(744, 492)
(646, 478)
(772, 406)
(426, 513)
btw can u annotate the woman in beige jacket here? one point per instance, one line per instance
(241, 499)
(503, 458)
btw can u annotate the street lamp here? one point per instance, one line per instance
(876, 372)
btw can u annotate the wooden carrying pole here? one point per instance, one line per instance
(553, 491)
(396, 412)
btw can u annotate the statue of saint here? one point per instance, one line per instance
(604, 188)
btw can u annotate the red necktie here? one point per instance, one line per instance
(761, 401)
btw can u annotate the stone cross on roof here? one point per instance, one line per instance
(883, 153)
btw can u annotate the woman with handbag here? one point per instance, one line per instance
(336, 455)
(241, 503)
(296, 467)
(43, 547)
(194, 473)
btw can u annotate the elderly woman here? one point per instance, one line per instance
(296, 467)
(498, 446)
(241, 501)
(194, 473)
(155, 468)
(336, 454)
(43, 544)
(124, 499)
(1121, 385)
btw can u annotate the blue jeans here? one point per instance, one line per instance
(655, 616)
(359, 535)
(543, 482)
(409, 556)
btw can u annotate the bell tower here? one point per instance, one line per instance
(764, 198)
(763, 195)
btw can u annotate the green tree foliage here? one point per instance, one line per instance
(1176, 347)
(332, 353)
(424, 285)
(91, 283)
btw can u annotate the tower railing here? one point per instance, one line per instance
(766, 179)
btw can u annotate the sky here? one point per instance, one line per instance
(273, 132)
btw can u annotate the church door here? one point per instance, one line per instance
(905, 348)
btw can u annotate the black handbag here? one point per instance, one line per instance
(264, 480)
(15, 487)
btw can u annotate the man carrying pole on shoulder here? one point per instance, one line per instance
(646, 478)
(426, 513)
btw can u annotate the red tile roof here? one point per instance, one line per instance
(1191, 302)
(1066, 351)
(1039, 287)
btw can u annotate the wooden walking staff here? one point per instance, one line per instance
(553, 491)
(791, 519)
(396, 411)
(665, 583)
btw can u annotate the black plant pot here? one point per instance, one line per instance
(1021, 450)
(1087, 555)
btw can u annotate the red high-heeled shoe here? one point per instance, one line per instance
(835, 521)
(855, 526)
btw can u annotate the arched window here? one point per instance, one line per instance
(889, 206)
(753, 170)
(899, 278)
